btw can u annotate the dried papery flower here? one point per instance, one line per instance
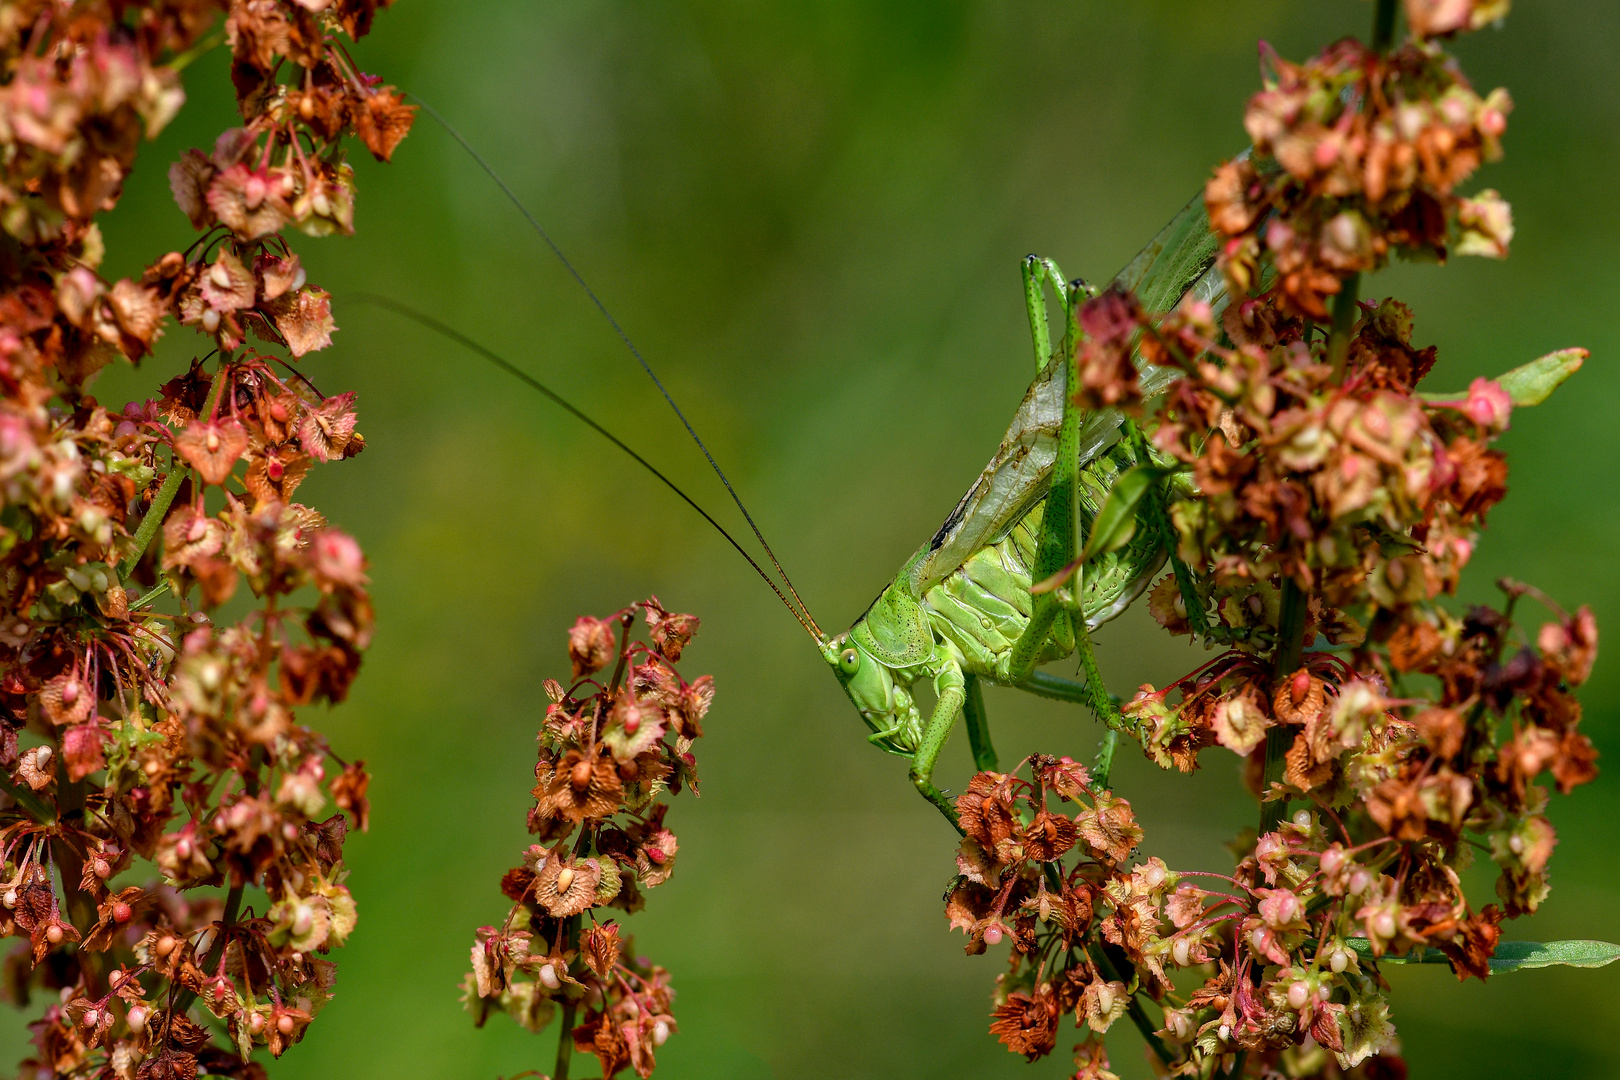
(171, 747)
(607, 751)
(1389, 733)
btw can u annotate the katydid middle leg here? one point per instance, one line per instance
(978, 724)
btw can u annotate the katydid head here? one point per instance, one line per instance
(884, 701)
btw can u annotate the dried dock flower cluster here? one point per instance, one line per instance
(1389, 735)
(608, 750)
(152, 753)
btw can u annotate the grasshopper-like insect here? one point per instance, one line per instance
(965, 609)
(961, 610)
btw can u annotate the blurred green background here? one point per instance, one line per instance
(809, 216)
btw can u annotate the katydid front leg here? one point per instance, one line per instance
(951, 687)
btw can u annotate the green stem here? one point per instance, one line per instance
(153, 521)
(1290, 649)
(154, 516)
(1344, 320)
(1102, 766)
(206, 45)
(81, 906)
(233, 906)
(1384, 26)
(565, 1037)
(1159, 518)
(565, 1041)
(24, 797)
(1100, 701)
(1138, 1015)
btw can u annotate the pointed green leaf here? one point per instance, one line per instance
(1532, 383)
(1513, 955)
(1116, 521)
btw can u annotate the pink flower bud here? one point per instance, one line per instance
(1298, 995)
(1488, 405)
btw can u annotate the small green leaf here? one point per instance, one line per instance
(1115, 522)
(1513, 955)
(1532, 383)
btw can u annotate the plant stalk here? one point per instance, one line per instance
(153, 521)
(565, 1037)
(1384, 26)
(1290, 648)
(1134, 1010)
(1344, 320)
(233, 907)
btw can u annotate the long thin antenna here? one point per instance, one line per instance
(518, 373)
(624, 337)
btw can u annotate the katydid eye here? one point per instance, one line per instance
(849, 661)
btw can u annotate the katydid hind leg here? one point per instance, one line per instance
(1060, 521)
(1038, 273)
(978, 725)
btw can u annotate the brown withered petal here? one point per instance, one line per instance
(1026, 1023)
(189, 179)
(168, 1065)
(326, 429)
(1049, 836)
(655, 858)
(212, 447)
(349, 793)
(1239, 724)
(600, 948)
(591, 645)
(139, 310)
(82, 750)
(601, 1036)
(1299, 698)
(582, 787)
(1471, 949)
(383, 121)
(566, 888)
(985, 813)
(190, 534)
(694, 703)
(517, 884)
(304, 319)
(36, 769)
(67, 699)
(248, 202)
(967, 906)
(1110, 828)
(1303, 770)
(1576, 763)
(274, 473)
(671, 633)
(1413, 645)
(227, 285)
(978, 865)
